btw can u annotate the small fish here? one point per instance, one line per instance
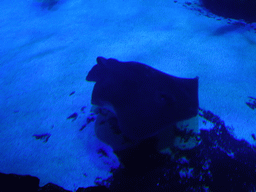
(73, 116)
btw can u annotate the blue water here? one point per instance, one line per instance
(47, 124)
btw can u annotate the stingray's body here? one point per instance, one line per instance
(145, 100)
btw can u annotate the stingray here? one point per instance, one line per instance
(145, 100)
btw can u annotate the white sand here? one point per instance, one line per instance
(45, 55)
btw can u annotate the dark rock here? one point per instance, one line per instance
(93, 189)
(220, 162)
(50, 187)
(236, 9)
(27, 183)
(13, 183)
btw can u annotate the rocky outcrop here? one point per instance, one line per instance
(236, 9)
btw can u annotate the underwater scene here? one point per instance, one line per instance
(128, 96)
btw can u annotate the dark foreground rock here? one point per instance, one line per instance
(219, 163)
(12, 182)
(27, 183)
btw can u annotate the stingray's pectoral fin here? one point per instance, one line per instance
(103, 69)
(97, 72)
(101, 60)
